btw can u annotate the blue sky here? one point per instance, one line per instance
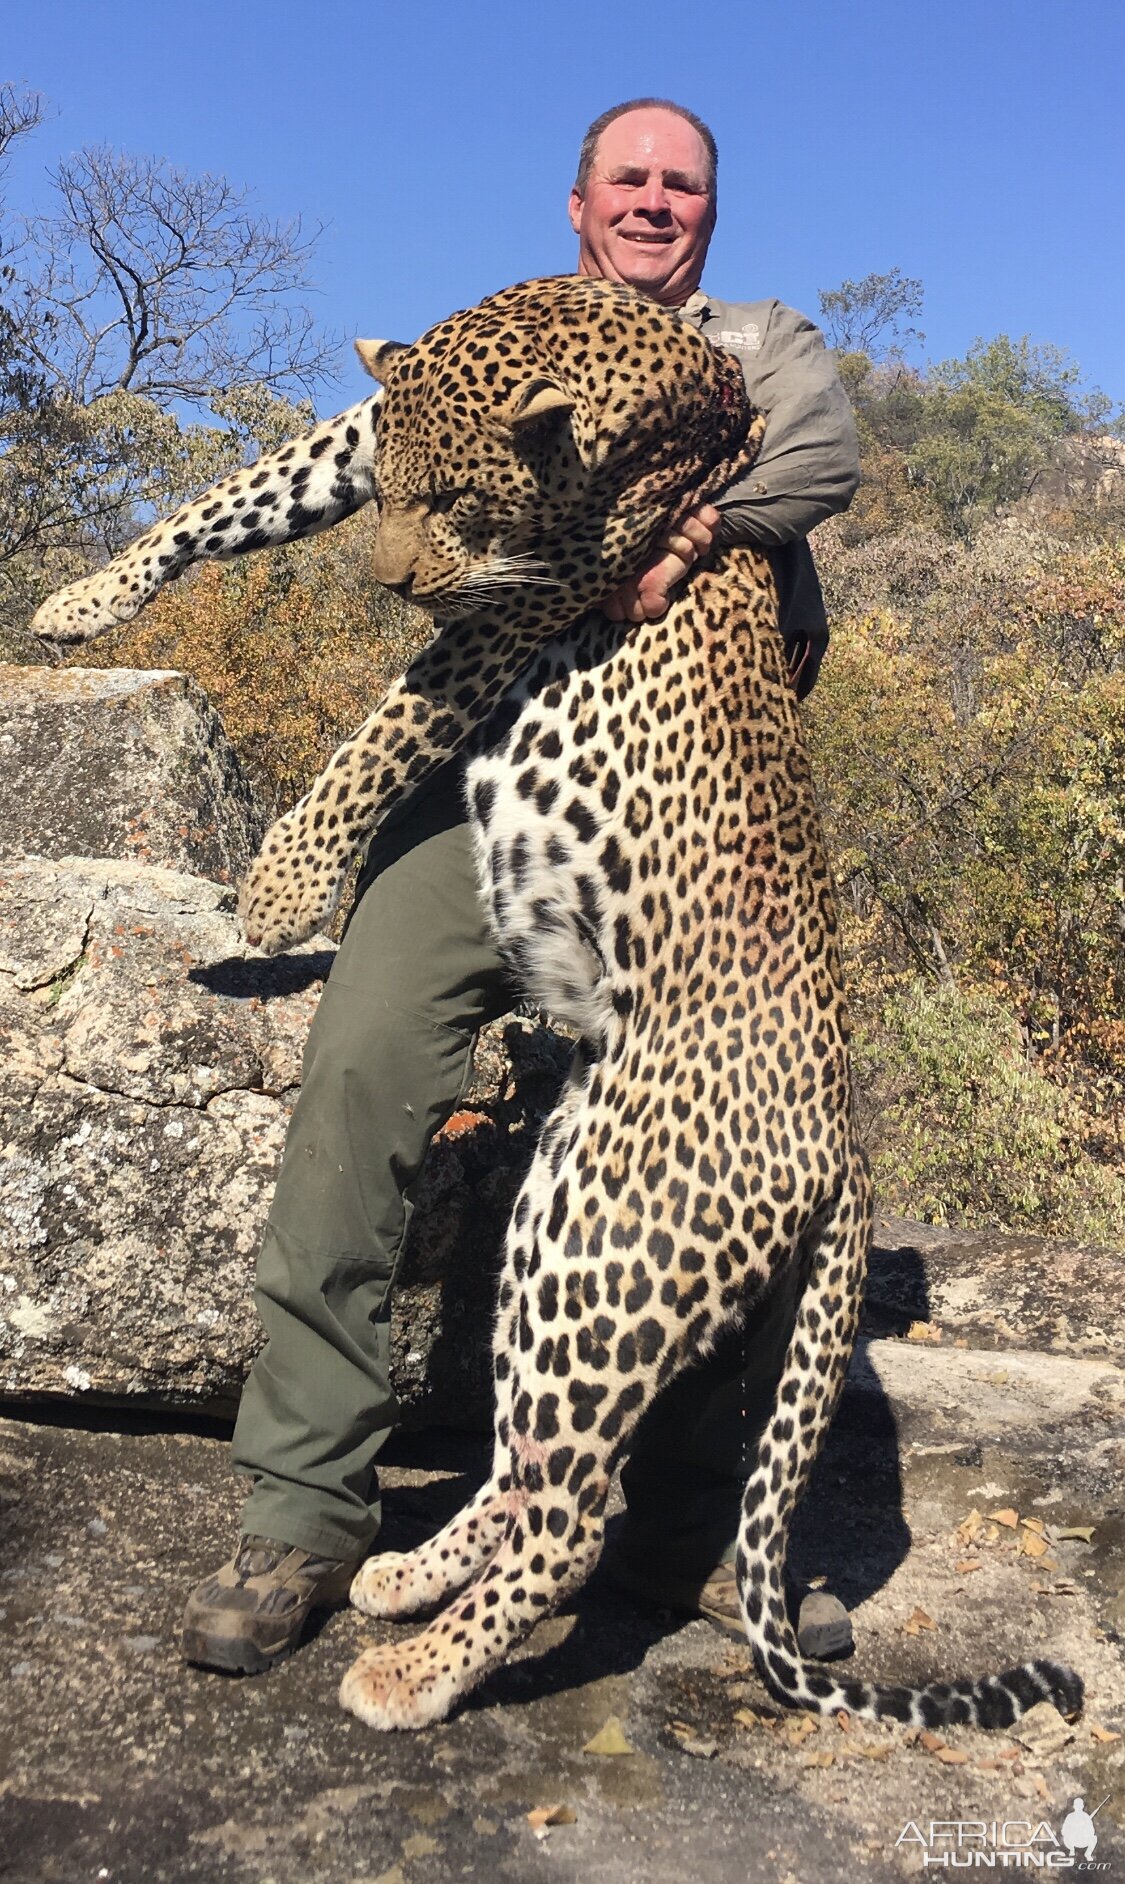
(978, 146)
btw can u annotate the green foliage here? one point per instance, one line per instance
(970, 745)
(962, 1130)
(874, 315)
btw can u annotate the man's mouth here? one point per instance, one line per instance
(645, 238)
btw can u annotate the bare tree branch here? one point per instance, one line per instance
(150, 281)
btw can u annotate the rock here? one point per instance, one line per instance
(125, 764)
(994, 1289)
(148, 1066)
(148, 1073)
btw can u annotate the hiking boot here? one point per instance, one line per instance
(823, 1631)
(253, 1611)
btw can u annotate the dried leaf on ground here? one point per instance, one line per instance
(931, 1741)
(967, 1566)
(968, 1527)
(872, 1750)
(1102, 1734)
(1008, 1517)
(1043, 1731)
(819, 1759)
(1083, 1532)
(1032, 1545)
(923, 1331)
(917, 1621)
(952, 1756)
(609, 1739)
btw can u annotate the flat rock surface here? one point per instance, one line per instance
(946, 1537)
(121, 763)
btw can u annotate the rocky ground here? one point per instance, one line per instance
(968, 1511)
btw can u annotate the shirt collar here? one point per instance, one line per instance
(697, 306)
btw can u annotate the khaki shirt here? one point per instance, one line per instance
(808, 467)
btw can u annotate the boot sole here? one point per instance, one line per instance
(233, 1655)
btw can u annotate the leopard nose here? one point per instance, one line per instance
(402, 587)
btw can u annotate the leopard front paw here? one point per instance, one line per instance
(83, 610)
(292, 888)
(389, 1688)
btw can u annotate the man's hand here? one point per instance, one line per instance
(645, 597)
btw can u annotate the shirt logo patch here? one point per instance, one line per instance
(746, 339)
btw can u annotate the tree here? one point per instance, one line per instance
(144, 292)
(149, 281)
(873, 316)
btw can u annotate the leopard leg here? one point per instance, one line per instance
(396, 1583)
(414, 1683)
(589, 1344)
(303, 487)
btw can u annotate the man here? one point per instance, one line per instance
(417, 976)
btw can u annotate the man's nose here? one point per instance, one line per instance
(653, 197)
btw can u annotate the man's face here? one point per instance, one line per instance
(646, 217)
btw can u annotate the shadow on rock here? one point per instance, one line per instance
(264, 977)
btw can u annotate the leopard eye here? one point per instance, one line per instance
(441, 501)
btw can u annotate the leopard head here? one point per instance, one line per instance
(546, 438)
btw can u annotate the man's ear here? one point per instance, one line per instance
(378, 356)
(539, 403)
(574, 211)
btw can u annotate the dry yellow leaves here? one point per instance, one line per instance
(968, 1527)
(872, 1749)
(819, 1759)
(931, 1741)
(609, 1740)
(923, 1331)
(1083, 1532)
(798, 1728)
(918, 1621)
(1007, 1517)
(1103, 1735)
(1032, 1544)
(967, 1565)
(952, 1756)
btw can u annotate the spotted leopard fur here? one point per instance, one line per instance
(653, 865)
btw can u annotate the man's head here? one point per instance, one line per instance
(643, 202)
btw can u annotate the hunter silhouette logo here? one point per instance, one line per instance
(1078, 1832)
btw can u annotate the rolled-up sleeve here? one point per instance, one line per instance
(808, 468)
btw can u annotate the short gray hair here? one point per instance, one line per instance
(590, 141)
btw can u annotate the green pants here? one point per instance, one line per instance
(389, 1052)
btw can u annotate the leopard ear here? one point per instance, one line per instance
(539, 402)
(378, 356)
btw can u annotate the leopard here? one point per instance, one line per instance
(652, 860)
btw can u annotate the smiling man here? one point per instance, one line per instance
(418, 974)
